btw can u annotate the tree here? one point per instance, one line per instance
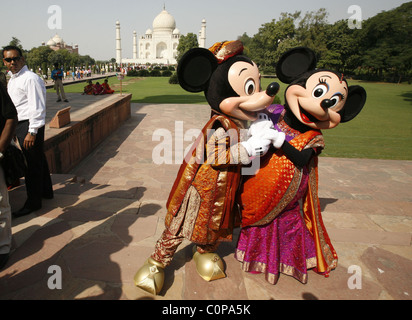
(247, 42)
(312, 31)
(379, 51)
(342, 48)
(39, 58)
(185, 44)
(86, 61)
(61, 57)
(265, 44)
(386, 43)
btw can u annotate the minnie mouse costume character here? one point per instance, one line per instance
(275, 237)
(200, 203)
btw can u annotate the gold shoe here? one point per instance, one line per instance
(150, 277)
(209, 265)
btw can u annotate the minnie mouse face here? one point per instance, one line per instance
(320, 99)
(318, 103)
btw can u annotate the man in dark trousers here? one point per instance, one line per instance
(8, 122)
(28, 94)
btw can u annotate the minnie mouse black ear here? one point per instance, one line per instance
(354, 104)
(294, 63)
(195, 69)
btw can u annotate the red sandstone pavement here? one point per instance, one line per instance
(108, 213)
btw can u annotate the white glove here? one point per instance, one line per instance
(259, 126)
(263, 128)
(279, 140)
(260, 145)
(257, 146)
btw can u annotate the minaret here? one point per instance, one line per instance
(118, 44)
(134, 45)
(202, 36)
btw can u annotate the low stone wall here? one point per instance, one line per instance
(68, 146)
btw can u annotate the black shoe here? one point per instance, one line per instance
(58, 100)
(66, 100)
(24, 211)
(3, 260)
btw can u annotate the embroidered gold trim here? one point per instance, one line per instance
(187, 214)
(283, 268)
(328, 254)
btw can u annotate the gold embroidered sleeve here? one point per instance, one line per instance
(223, 149)
(317, 143)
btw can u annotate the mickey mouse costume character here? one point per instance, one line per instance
(275, 237)
(200, 204)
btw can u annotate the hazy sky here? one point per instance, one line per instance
(91, 24)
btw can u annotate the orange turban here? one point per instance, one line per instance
(226, 49)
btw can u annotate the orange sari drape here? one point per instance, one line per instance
(264, 196)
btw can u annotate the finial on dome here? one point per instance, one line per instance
(164, 6)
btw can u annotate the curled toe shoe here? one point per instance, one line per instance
(150, 277)
(209, 265)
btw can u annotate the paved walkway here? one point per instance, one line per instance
(69, 80)
(108, 213)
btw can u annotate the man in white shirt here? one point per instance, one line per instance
(28, 94)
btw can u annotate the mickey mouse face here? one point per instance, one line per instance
(318, 103)
(244, 79)
(231, 87)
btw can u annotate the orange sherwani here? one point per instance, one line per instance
(203, 195)
(200, 204)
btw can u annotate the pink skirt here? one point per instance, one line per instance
(283, 246)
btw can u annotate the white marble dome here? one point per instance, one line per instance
(164, 21)
(51, 43)
(57, 39)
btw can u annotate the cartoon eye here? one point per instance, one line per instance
(336, 99)
(250, 87)
(320, 90)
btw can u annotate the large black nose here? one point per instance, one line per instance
(327, 103)
(273, 89)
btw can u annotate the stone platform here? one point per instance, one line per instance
(66, 146)
(109, 211)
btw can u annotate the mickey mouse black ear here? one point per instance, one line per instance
(195, 69)
(294, 63)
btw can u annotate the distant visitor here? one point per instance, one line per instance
(107, 88)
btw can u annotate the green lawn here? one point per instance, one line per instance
(148, 90)
(383, 130)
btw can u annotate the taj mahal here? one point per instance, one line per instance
(159, 44)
